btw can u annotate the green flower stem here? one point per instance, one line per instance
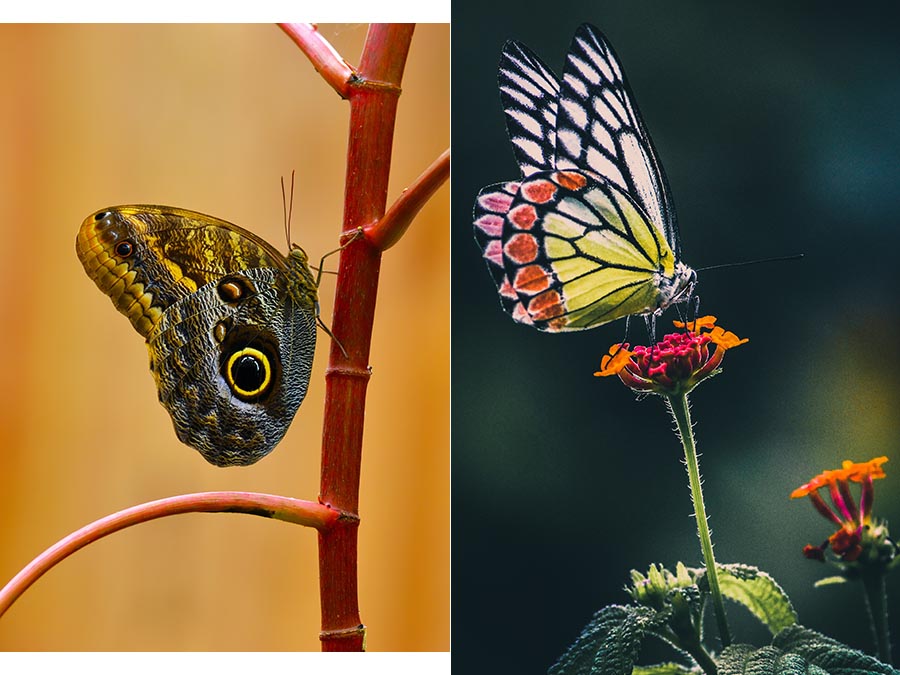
(689, 641)
(678, 404)
(876, 604)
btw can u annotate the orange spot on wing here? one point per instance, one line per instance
(532, 279)
(539, 191)
(521, 248)
(548, 305)
(570, 180)
(523, 216)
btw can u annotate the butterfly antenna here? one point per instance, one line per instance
(287, 210)
(796, 256)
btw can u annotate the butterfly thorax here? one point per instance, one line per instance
(301, 284)
(675, 287)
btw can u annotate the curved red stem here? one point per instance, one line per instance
(269, 506)
(329, 64)
(387, 231)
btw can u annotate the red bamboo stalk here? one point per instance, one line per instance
(373, 107)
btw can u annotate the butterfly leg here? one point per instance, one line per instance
(327, 330)
(320, 270)
(624, 343)
(650, 321)
(356, 235)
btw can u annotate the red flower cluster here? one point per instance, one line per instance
(851, 518)
(676, 364)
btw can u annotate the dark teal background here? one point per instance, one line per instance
(779, 129)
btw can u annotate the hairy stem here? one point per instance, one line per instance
(876, 606)
(689, 641)
(678, 404)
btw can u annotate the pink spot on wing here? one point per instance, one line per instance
(494, 252)
(520, 315)
(506, 289)
(491, 224)
(498, 202)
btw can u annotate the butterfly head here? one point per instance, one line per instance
(679, 287)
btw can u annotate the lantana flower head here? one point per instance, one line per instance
(674, 365)
(856, 529)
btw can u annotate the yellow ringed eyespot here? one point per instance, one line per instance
(249, 372)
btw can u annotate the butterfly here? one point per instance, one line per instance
(230, 322)
(588, 235)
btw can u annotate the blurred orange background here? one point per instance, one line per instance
(206, 117)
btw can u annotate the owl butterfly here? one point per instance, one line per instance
(230, 322)
(588, 234)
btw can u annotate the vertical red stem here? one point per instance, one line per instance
(373, 108)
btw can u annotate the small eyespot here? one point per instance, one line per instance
(230, 291)
(235, 288)
(220, 330)
(124, 248)
(100, 216)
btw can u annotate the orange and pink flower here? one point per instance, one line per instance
(676, 364)
(851, 518)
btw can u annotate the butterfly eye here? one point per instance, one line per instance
(249, 373)
(124, 248)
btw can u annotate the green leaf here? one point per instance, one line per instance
(830, 581)
(759, 593)
(800, 651)
(834, 657)
(748, 660)
(665, 669)
(610, 643)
